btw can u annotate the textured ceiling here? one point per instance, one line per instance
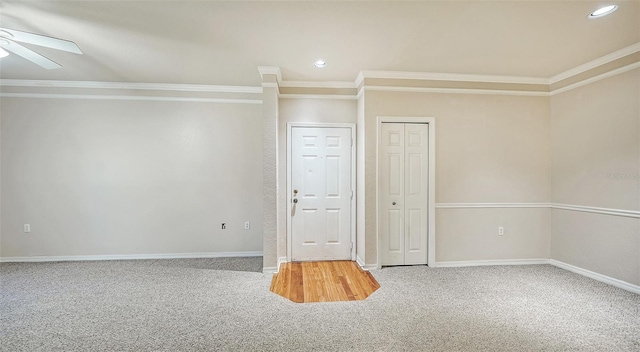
(207, 42)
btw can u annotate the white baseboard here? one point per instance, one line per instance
(593, 275)
(269, 270)
(129, 257)
(456, 264)
(274, 269)
(281, 261)
(369, 267)
(366, 267)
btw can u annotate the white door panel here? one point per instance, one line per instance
(403, 202)
(416, 196)
(321, 188)
(391, 182)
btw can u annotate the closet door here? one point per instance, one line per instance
(403, 193)
(391, 194)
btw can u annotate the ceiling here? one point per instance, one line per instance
(222, 43)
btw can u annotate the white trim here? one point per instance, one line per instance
(596, 78)
(129, 85)
(595, 63)
(434, 76)
(270, 70)
(318, 84)
(464, 263)
(366, 267)
(431, 236)
(276, 269)
(269, 85)
(573, 207)
(269, 270)
(605, 211)
(352, 127)
(129, 257)
(599, 277)
(318, 96)
(456, 91)
(359, 79)
(369, 267)
(129, 97)
(491, 205)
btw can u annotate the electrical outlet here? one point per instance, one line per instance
(500, 231)
(224, 225)
(247, 225)
(27, 228)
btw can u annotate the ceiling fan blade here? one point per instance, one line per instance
(41, 40)
(30, 55)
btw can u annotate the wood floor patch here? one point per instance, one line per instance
(329, 281)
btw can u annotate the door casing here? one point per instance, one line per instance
(352, 127)
(431, 251)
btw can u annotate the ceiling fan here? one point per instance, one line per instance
(10, 37)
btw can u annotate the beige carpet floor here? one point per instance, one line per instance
(212, 305)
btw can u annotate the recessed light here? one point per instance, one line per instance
(320, 64)
(603, 11)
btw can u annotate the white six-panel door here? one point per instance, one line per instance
(403, 193)
(320, 193)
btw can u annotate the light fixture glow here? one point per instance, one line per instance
(320, 64)
(603, 11)
(3, 53)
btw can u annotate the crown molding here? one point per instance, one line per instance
(327, 84)
(632, 49)
(270, 70)
(129, 97)
(129, 85)
(318, 96)
(596, 78)
(359, 79)
(455, 91)
(434, 76)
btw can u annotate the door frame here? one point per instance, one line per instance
(352, 128)
(431, 235)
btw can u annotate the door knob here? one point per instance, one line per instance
(394, 203)
(295, 191)
(295, 200)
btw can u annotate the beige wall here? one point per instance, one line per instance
(303, 110)
(269, 173)
(471, 234)
(98, 177)
(596, 162)
(489, 149)
(360, 183)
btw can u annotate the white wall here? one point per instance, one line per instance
(98, 177)
(596, 163)
(489, 149)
